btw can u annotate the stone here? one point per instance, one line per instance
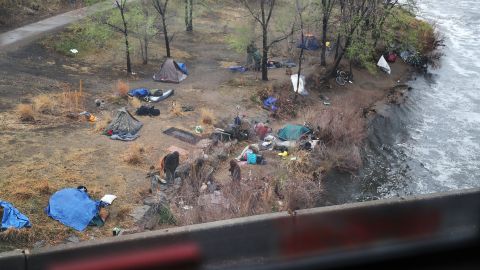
(73, 239)
(139, 212)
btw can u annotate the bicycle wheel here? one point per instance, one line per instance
(340, 80)
(343, 74)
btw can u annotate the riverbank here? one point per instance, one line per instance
(53, 152)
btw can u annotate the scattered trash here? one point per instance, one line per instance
(198, 129)
(237, 68)
(182, 135)
(283, 154)
(187, 108)
(108, 198)
(100, 103)
(88, 116)
(117, 231)
(12, 218)
(187, 207)
(326, 103)
(293, 158)
(74, 51)
(159, 96)
(139, 92)
(269, 104)
(147, 111)
(383, 65)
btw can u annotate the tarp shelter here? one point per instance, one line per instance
(310, 43)
(73, 208)
(139, 92)
(171, 71)
(301, 86)
(124, 124)
(382, 63)
(292, 132)
(12, 218)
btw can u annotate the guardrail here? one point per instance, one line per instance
(340, 234)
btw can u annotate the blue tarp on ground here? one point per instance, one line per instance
(12, 218)
(73, 208)
(292, 132)
(270, 103)
(139, 92)
(183, 67)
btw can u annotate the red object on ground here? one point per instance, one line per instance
(110, 132)
(392, 57)
(261, 130)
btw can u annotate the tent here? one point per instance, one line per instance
(310, 43)
(382, 63)
(124, 126)
(171, 71)
(292, 132)
(12, 218)
(72, 207)
(301, 86)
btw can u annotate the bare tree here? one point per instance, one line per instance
(161, 7)
(300, 10)
(327, 7)
(189, 15)
(121, 6)
(262, 15)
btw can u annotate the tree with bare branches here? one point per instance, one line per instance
(262, 11)
(161, 8)
(327, 7)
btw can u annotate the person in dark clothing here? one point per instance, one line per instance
(170, 164)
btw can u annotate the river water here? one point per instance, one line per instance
(432, 142)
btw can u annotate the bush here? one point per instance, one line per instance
(25, 112)
(122, 89)
(207, 116)
(44, 104)
(134, 154)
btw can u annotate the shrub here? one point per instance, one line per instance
(122, 89)
(44, 104)
(206, 116)
(25, 112)
(134, 154)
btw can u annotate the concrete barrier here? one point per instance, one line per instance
(376, 225)
(13, 260)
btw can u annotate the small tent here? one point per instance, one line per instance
(171, 71)
(310, 43)
(382, 63)
(124, 126)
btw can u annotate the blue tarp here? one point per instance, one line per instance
(292, 132)
(12, 218)
(183, 67)
(237, 68)
(310, 43)
(73, 208)
(270, 103)
(139, 92)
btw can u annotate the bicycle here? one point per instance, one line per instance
(343, 77)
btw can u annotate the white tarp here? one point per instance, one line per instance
(382, 63)
(301, 86)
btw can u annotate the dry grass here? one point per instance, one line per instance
(134, 155)
(135, 102)
(45, 104)
(122, 89)
(207, 116)
(25, 112)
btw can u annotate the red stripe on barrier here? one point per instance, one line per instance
(170, 256)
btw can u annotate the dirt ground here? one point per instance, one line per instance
(54, 152)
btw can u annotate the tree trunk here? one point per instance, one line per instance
(188, 15)
(299, 72)
(340, 56)
(145, 50)
(127, 48)
(165, 34)
(265, 55)
(323, 61)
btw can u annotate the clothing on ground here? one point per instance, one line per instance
(12, 218)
